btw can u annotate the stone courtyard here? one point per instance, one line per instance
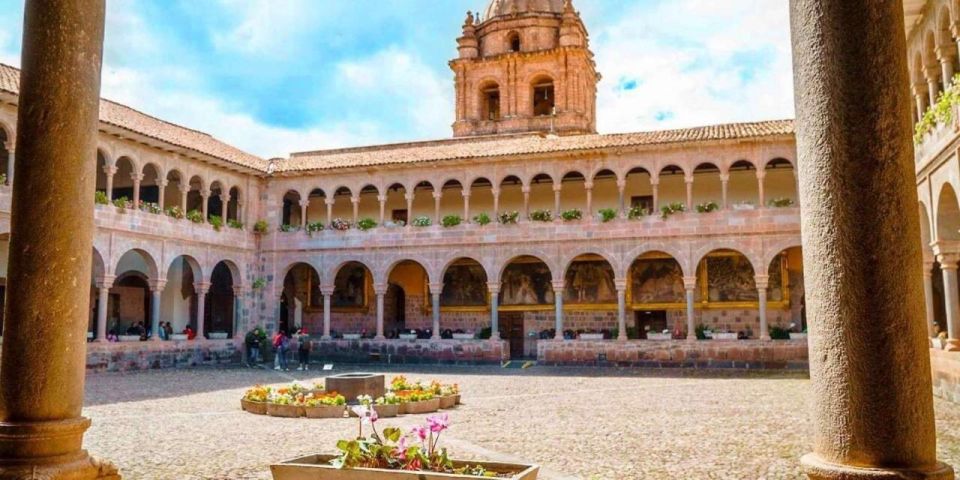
(576, 423)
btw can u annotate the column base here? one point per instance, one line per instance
(952, 345)
(380, 337)
(818, 469)
(49, 450)
(326, 338)
(495, 336)
(691, 338)
(559, 338)
(622, 338)
(765, 338)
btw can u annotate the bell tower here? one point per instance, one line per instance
(525, 66)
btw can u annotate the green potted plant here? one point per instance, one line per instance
(637, 212)
(671, 208)
(571, 215)
(607, 214)
(707, 207)
(450, 221)
(260, 227)
(509, 218)
(481, 219)
(366, 224)
(195, 216)
(216, 221)
(541, 215)
(421, 221)
(100, 198)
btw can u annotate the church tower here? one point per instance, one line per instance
(525, 66)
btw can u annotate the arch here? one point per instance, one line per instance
(541, 189)
(215, 203)
(514, 44)
(123, 178)
(172, 196)
(317, 207)
(638, 192)
(189, 263)
(590, 278)
(656, 278)
(464, 283)
(300, 291)
(451, 201)
(926, 233)
(785, 284)
(573, 192)
(343, 203)
(743, 186)
(780, 182)
(385, 276)
(481, 197)
(526, 280)
(103, 163)
(423, 202)
(511, 194)
(150, 185)
(179, 300)
(671, 185)
(369, 205)
(195, 194)
(98, 267)
(707, 185)
(395, 210)
(605, 190)
(290, 214)
(233, 206)
(139, 260)
(221, 308)
(489, 101)
(948, 214)
(543, 94)
(412, 278)
(738, 281)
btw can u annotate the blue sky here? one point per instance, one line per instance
(278, 76)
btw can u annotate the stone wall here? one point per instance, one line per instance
(742, 354)
(120, 357)
(945, 370)
(410, 351)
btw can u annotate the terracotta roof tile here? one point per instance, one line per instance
(506, 145)
(124, 117)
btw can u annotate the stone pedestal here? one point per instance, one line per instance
(352, 385)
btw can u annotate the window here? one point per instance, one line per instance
(491, 103)
(399, 216)
(514, 42)
(644, 202)
(543, 98)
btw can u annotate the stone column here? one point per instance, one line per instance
(588, 186)
(621, 197)
(304, 204)
(383, 208)
(655, 186)
(724, 185)
(928, 299)
(761, 195)
(945, 55)
(380, 291)
(204, 203)
(238, 293)
(44, 353)
(437, 195)
(496, 203)
(690, 286)
(872, 398)
(762, 281)
(103, 304)
(621, 310)
(951, 297)
(933, 83)
(137, 179)
(329, 202)
(11, 157)
(409, 199)
(327, 291)
(689, 182)
(526, 202)
(356, 209)
(156, 291)
(918, 93)
(201, 289)
(494, 289)
(110, 171)
(558, 308)
(161, 193)
(184, 190)
(466, 206)
(556, 201)
(435, 290)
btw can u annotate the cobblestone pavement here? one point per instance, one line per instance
(577, 423)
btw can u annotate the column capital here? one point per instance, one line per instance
(106, 281)
(329, 201)
(157, 285)
(525, 189)
(202, 287)
(465, 194)
(437, 195)
(354, 200)
(948, 261)
(724, 177)
(381, 288)
(761, 173)
(688, 179)
(495, 191)
(381, 198)
(689, 283)
(110, 170)
(162, 182)
(436, 288)
(588, 185)
(183, 187)
(620, 285)
(558, 286)
(326, 289)
(557, 187)
(931, 73)
(205, 193)
(136, 177)
(762, 281)
(493, 288)
(621, 184)
(304, 203)
(408, 197)
(10, 146)
(946, 52)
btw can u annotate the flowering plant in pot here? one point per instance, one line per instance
(392, 454)
(387, 406)
(449, 395)
(324, 405)
(340, 225)
(255, 400)
(284, 403)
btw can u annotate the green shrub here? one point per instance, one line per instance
(100, 198)
(422, 221)
(314, 227)
(541, 216)
(260, 226)
(481, 219)
(940, 112)
(216, 221)
(571, 215)
(175, 212)
(122, 204)
(236, 224)
(366, 224)
(508, 218)
(778, 333)
(451, 221)
(780, 202)
(150, 207)
(637, 212)
(195, 216)
(672, 208)
(607, 214)
(259, 283)
(708, 207)
(287, 228)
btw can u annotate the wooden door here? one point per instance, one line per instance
(513, 328)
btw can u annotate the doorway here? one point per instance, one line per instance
(656, 320)
(512, 325)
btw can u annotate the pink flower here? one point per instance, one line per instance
(420, 432)
(367, 414)
(438, 423)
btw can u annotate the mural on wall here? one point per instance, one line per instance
(775, 275)
(590, 281)
(657, 281)
(464, 285)
(730, 278)
(350, 287)
(526, 283)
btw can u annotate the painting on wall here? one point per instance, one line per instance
(730, 278)
(775, 275)
(590, 281)
(350, 287)
(464, 285)
(656, 281)
(526, 283)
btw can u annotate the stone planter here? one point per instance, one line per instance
(128, 338)
(591, 336)
(315, 467)
(284, 411)
(351, 336)
(463, 336)
(659, 336)
(259, 408)
(387, 411)
(419, 408)
(407, 336)
(724, 336)
(179, 337)
(798, 336)
(448, 401)
(218, 335)
(324, 411)
(457, 396)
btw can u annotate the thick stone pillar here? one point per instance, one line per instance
(327, 292)
(494, 289)
(928, 299)
(45, 329)
(156, 291)
(11, 158)
(622, 311)
(558, 308)
(380, 291)
(762, 281)
(689, 286)
(951, 297)
(872, 399)
(201, 289)
(435, 290)
(103, 299)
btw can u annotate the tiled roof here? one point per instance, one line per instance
(507, 145)
(124, 117)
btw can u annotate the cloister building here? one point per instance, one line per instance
(525, 225)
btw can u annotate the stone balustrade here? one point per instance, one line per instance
(706, 354)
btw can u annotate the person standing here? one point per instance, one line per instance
(303, 350)
(253, 346)
(278, 350)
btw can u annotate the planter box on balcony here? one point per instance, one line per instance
(315, 467)
(129, 338)
(659, 336)
(798, 336)
(218, 335)
(591, 336)
(351, 336)
(724, 336)
(408, 336)
(179, 337)
(463, 336)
